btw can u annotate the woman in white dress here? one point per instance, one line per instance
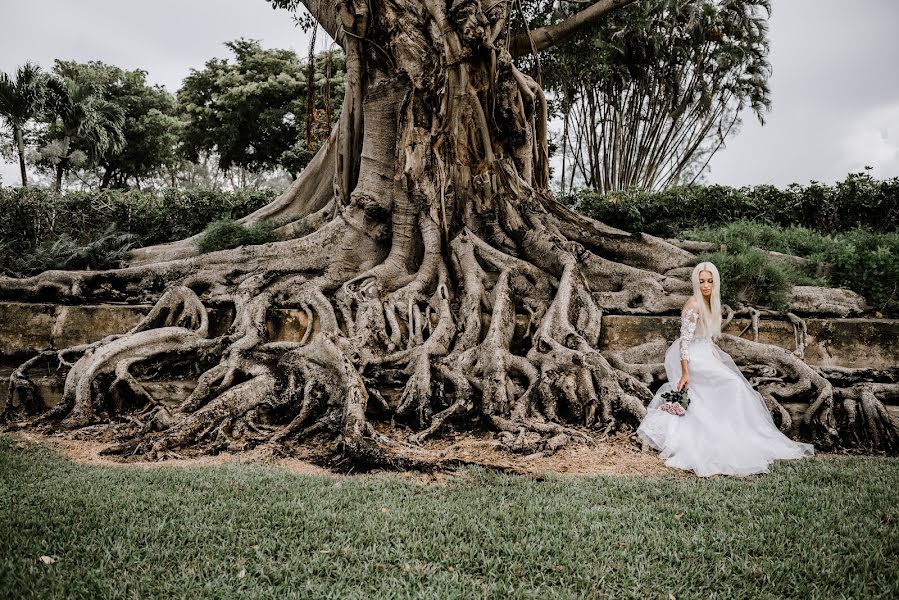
(726, 429)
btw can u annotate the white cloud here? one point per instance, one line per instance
(836, 106)
(873, 140)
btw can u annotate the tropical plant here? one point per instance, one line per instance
(107, 249)
(83, 127)
(149, 127)
(21, 99)
(650, 94)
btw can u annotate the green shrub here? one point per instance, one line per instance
(868, 264)
(228, 233)
(858, 201)
(65, 253)
(743, 234)
(752, 277)
(670, 212)
(859, 260)
(33, 219)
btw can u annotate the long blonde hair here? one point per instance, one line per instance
(709, 320)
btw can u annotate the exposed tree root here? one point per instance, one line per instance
(441, 285)
(838, 408)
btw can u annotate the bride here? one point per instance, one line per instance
(726, 428)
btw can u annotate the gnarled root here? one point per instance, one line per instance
(326, 368)
(443, 282)
(862, 395)
(23, 399)
(865, 421)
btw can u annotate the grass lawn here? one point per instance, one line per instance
(821, 528)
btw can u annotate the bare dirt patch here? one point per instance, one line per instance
(611, 456)
(615, 455)
(88, 452)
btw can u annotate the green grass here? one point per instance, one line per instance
(740, 235)
(822, 528)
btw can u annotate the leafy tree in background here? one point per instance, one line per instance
(82, 129)
(149, 128)
(651, 93)
(21, 99)
(250, 112)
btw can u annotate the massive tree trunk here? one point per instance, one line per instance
(440, 280)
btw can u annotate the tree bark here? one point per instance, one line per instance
(310, 90)
(552, 35)
(20, 149)
(440, 282)
(59, 175)
(107, 178)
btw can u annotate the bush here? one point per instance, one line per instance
(65, 253)
(743, 234)
(858, 201)
(33, 219)
(228, 233)
(752, 277)
(865, 262)
(868, 264)
(36, 214)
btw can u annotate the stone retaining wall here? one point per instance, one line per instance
(26, 329)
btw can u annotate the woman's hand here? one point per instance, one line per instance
(684, 381)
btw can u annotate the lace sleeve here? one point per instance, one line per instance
(688, 321)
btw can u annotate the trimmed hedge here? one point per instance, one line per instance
(860, 201)
(33, 215)
(33, 220)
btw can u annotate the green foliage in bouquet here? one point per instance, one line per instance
(678, 397)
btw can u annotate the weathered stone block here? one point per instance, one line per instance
(77, 325)
(25, 329)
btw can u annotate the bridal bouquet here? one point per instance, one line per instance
(676, 403)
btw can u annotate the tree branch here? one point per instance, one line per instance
(549, 36)
(327, 16)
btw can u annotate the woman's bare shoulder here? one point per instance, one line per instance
(690, 304)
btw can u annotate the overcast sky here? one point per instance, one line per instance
(835, 83)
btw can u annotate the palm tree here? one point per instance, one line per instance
(21, 100)
(83, 120)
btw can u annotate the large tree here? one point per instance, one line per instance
(438, 278)
(649, 95)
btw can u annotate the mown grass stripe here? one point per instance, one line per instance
(822, 528)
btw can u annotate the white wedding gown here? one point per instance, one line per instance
(726, 429)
